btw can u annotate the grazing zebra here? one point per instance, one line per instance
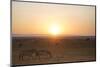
(44, 54)
(28, 53)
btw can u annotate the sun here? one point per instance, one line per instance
(54, 29)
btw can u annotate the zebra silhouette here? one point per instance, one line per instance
(44, 54)
(32, 53)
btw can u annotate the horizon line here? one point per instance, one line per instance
(28, 35)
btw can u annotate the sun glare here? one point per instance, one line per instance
(54, 29)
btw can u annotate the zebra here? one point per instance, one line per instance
(44, 54)
(28, 53)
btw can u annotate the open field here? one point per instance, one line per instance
(41, 50)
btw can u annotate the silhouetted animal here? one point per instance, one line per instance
(44, 54)
(28, 53)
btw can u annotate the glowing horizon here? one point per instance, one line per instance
(52, 19)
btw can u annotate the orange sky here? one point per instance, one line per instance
(36, 18)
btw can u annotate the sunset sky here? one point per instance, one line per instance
(44, 19)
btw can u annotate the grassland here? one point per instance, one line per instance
(43, 50)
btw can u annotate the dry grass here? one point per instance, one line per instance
(49, 50)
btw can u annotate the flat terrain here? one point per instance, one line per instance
(41, 50)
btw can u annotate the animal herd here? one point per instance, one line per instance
(34, 54)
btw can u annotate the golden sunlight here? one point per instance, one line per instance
(54, 29)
